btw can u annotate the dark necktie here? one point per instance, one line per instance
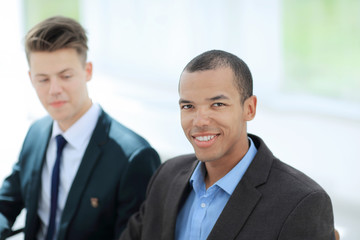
(55, 178)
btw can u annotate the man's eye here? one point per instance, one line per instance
(218, 104)
(66, 76)
(43, 80)
(188, 106)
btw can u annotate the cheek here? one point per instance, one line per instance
(225, 119)
(41, 93)
(74, 90)
(185, 121)
(229, 122)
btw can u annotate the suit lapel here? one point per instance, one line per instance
(237, 210)
(90, 158)
(39, 144)
(245, 196)
(176, 197)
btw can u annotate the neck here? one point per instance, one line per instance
(66, 124)
(215, 170)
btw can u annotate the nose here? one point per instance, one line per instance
(55, 87)
(201, 118)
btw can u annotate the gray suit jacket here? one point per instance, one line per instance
(115, 170)
(272, 201)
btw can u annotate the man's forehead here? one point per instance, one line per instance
(55, 54)
(220, 72)
(208, 85)
(61, 71)
(215, 77)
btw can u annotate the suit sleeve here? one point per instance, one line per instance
(311, 219)
(134, 228)
(142, 166)
(11, 202)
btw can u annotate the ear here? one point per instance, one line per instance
(250, 108)
(29, 73)
(88, 69)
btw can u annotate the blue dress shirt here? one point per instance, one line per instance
(203, 207)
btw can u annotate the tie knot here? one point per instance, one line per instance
(60, 142)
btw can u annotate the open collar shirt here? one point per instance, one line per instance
(203, 207)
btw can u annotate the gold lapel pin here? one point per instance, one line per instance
(94, 202)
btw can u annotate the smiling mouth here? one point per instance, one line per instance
(205, 138)
(205, 141)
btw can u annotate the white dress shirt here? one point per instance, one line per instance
(77, 137)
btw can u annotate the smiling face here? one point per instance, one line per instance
(60, 81)
(212, 116)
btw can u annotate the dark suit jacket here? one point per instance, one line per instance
(272, 201)
(115, 170)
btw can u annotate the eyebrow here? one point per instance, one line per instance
(183, 101)
(218, 97)
(65, 70)
(40, 75)
(61, 72)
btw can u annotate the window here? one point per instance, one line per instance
(322, 47)
(38, 10)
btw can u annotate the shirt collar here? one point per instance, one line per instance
(197, 178)
(229, 182)
(81, 130)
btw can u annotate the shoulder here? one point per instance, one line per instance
(42, 124)
(290, 198)
(36, 139)
(171, 169)
(119, 132)
(283, 173)
(38, 130)
(277, 173)
(281, 186)
(173, 172)
(182, 162)
(129, 141)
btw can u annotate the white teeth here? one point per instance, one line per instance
(205, 138)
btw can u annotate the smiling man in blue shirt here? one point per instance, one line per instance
(233, 187)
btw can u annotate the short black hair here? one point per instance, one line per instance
(215, 59)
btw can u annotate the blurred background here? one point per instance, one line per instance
(304, 56)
